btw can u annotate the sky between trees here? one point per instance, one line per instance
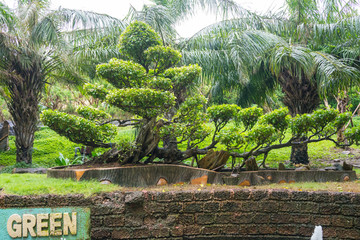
(119, 9)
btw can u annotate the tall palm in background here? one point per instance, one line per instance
(253, 55)
(258, 54)
(36, 47)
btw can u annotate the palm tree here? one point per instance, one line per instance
(258, 54)
(34, 50)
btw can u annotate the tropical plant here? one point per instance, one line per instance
(258, 54)
(34, 50)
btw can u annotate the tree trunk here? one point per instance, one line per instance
(299, 154)
(342, 106)
(25, 94)
(146, 141)
(25, 119)
(301, 97)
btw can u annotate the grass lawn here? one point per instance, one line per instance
(37, 184)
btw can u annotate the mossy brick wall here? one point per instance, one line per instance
(211, 214)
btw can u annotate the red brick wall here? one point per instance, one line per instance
(219, 214)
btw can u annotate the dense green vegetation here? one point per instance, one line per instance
(48, 145)
(298, 52)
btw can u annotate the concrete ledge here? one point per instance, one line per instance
(150, 175)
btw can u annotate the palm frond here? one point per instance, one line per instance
(334, 74)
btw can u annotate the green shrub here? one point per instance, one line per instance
(77, 129)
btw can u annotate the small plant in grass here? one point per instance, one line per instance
(63, 161)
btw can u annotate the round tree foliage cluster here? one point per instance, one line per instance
(137, 38)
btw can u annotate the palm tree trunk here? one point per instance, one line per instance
(25, 117)
(23, 106)
(301, 97)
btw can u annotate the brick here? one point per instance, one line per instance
(150, 220)
(242, 218)
(357, 223)
(329, 209)
(211, 230)
(261, 218)
(303, 219)
(156, 207)
(170, 220)
(340, 221)
(350, 210)
(289, 207)
(300, 196)
(348, 233)
(329, 232)
(100, 234)
(231, 229)
(186, 219)
(142, 232)
(281, 218)
(309, 207)
(268, 206)
(305, 231)
(321, 196)
(183, 196)
(192, 230)
(134, 220)
(322, 220)
(249, 206)
(230, 206)
(203, 195)
(161, 232)
(203, 219)
(134, 198)
(164, 196)
(243, 194)
(249, 229)
(114, 221)
(121, 234)
(342, 198)
(11, 201)
(267, 229)
(259, 194)
(192, 207)
(100, 210)
(97, 222)
(287, 230)
(224, 218)
(211, 206)
(174, 207)
(356, 199)
(280, 195)
(177, 231)
(38, 201)
(222, 194)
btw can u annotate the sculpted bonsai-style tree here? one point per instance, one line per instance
(148, 84)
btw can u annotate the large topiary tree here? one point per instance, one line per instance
(145, 84)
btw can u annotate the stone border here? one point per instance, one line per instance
(159, 174)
